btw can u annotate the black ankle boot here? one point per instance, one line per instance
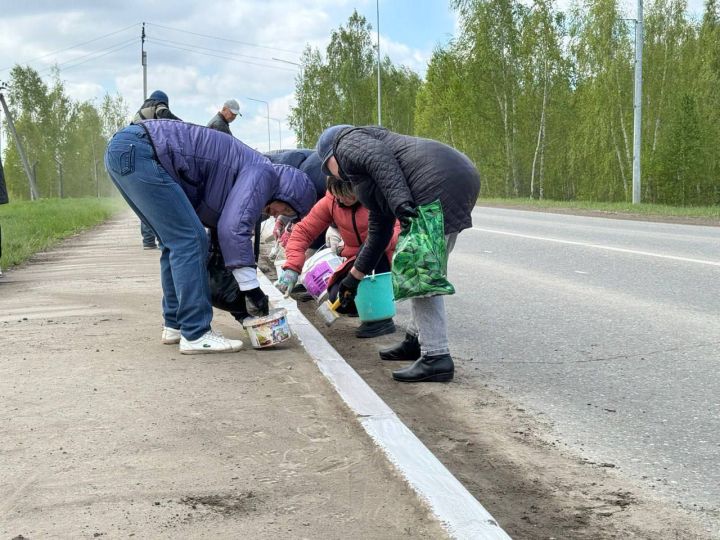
(438, 368)
(407, 350)
(376, 328)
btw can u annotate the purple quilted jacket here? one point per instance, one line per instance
(228, 183)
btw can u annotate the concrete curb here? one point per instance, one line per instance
(462, 516)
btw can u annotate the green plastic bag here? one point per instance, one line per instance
(419, 265)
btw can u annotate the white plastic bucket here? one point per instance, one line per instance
(326, 254)
(269, 330)
(318, 269)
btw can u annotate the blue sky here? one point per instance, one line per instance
(197, 83)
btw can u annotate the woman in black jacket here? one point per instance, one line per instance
(392, 174)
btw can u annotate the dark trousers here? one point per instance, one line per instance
(148, 235)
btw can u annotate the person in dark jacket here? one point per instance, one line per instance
(156, 106)
(221, 121)
(391, 175)
(308, 162)
(180, 178)
(4, 199)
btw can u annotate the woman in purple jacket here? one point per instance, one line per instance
(180, 178)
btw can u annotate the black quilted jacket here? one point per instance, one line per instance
(388, 169)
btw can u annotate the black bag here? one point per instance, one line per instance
(225, 293)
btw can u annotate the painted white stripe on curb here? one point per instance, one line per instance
(462, 516)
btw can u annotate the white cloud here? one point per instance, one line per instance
(400, 53)
(196, 83)
(84, 91)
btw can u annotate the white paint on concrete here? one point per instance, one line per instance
(599, 246)
(463, 517)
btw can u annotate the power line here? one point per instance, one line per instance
(116, 46)
(220, 56)
(223, 39)
(75, 46)
(232, 53)
(121, 47)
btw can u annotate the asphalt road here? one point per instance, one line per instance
(607, 328)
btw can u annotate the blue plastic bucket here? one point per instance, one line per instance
(375, 300)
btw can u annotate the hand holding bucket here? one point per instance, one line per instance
(375, 300)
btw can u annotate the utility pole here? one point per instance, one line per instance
(637, 105)
(379, 100)
(34, 194)
(144, 61)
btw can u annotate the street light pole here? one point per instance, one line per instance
(379, 100)
(637, 125)
(302, 113)
(279, 131)
(267, 105)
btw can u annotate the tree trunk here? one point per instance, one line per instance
(502, 104)
(541, 134)
(618, 153)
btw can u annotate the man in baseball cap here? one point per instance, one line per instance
(221, 121)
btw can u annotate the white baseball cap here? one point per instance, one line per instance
(233, 105)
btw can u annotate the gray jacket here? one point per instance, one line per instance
(219, 123)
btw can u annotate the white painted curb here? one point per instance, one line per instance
(462, 516)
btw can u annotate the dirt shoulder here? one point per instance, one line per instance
(508, 459)
(709, 222)
(107, 433)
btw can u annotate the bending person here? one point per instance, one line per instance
(341, 207)
(392, 174)
(180, 178)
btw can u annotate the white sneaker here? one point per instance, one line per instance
(170, 336)
(211, 342)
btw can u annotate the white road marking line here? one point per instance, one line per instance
(580, 272)
(599, 246)
(461, 514)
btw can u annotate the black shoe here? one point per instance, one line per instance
(375, 328)
(407, 350)
(438, 368)
(149, 246)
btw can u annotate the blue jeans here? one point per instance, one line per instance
(161, 204)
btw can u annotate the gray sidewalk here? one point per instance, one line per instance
(105, 432)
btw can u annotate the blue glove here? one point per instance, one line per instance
(286, 281)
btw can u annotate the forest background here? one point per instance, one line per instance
(541, 100)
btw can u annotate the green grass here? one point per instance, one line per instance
(32, 226)
(645, 210)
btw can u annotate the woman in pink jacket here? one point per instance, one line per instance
(341, 208)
